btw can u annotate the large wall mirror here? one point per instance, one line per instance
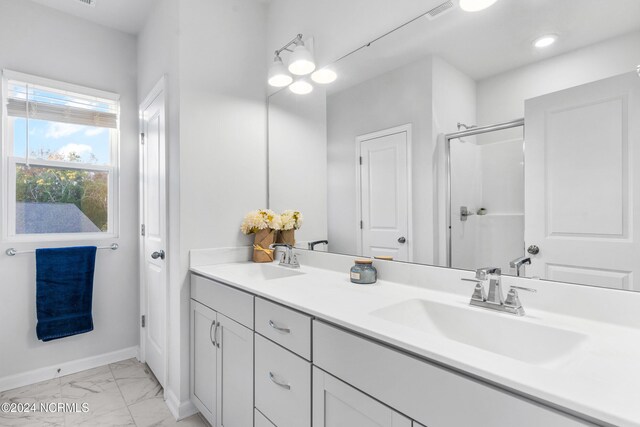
(459, 140)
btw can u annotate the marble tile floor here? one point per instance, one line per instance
(121, 394)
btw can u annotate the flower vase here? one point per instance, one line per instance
(287, 236)
(261, 251)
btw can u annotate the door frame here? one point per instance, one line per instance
(447, 149)
(408, 129)
(158, 89)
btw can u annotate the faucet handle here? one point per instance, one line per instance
(522, 288)
(478, 292)
(512, 297)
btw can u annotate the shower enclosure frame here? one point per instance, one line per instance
(447, 147)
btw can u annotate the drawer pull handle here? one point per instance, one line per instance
(276, 382)
(278, 328)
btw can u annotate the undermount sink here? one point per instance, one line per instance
(502, 334)
(269, 272)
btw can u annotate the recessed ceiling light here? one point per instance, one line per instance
(545, 41)
(324, 76)
(301, 87)
(475, 5)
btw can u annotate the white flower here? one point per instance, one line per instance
(261, 219)
(291, 220)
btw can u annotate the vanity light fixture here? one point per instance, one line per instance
(301, 87)
(475, 5)
(324, 76)
(301, 63)
(278, 74)
(545, 41)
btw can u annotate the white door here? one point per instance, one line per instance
(337, 404)
(582, 186)
(384, 189)
(235, 374)
(204, 360)
(154, 235)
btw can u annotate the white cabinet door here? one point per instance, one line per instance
(235, 374)
(203, 360)
(582, 186)
(337, 404)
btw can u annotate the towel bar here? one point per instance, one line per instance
(13, 252)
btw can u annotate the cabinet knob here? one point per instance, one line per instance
(402, 240)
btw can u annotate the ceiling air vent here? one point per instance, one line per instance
(439, 10)
(88, 2)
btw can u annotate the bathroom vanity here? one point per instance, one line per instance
(272, 346)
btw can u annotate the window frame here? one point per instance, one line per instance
(9, 163)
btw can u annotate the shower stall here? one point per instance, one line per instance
(485, 196)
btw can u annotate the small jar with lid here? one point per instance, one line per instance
(363, 272)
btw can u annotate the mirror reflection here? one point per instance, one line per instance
(500, 138)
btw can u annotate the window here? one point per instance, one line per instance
(60, 151)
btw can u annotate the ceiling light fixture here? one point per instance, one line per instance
(278, 74)
(544, 41)
(324, 76)
(475, 5)
(301, 87)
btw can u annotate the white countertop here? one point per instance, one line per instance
(600, 380)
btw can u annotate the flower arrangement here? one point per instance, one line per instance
(291, 220)
(261, 219)
(264, 223)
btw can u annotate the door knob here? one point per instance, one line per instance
(402, 240)
(533, 250)
(158, 254)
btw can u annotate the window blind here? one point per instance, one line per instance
(41, 103)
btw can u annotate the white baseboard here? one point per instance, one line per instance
(50, 372)
(179, 410)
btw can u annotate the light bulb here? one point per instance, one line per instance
(545, 41)
(324, 76)
(301, 62)
(278, 74)
(301, 87)
(475, 5)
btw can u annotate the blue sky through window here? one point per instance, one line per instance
(88, 142)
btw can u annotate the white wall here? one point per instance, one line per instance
(298, 159)
(218, 157)
(501, 97)
(377, 104)
(38, 40)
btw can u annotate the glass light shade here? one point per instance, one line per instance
(301, 62)
(475, 5)
(278, 74)
(301, 87)
(324, 76)
(545, 41)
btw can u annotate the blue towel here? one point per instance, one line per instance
(64, 290)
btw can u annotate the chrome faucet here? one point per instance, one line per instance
(519, 262)
(288, 258)
(494, 299)
(312, 245)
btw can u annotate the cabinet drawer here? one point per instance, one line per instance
(423, 391)
(282, 385)
(261, 420)
(233, 303)
(287, 327)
